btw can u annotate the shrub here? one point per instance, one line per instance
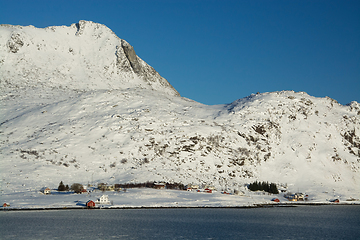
(77, 187)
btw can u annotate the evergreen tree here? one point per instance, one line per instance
(61, 187)
(273, 188)
(263, 186)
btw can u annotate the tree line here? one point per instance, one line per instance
(263, 186)
(178, 186)
(76, 187)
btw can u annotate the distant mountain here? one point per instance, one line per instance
(66, 117)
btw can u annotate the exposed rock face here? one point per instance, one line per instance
(84, 56)
(131, 56)
(15, 43)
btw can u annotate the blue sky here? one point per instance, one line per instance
(215, 52)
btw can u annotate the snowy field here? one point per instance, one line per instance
(147, 197)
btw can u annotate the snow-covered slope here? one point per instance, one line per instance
(85, 55)
(119, 135)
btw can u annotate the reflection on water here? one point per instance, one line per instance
(303, 222)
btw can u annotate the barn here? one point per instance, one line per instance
(90, 204)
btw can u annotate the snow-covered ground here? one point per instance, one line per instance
(129, 135)
(147, 197)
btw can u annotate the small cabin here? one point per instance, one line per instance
(275, 200)
(6, 205)
(207, 190)
(90, 204)
(46, 190)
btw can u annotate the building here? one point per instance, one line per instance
(207, 190)
(295, 197)
(191, 187)
(159, 185)
(104, 199)
(299, 196)
(90, 204)
(210, 187)
(110, 188)
(106, 187)
(46, 190)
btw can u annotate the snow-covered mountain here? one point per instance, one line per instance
(77, 105)
(84, 56)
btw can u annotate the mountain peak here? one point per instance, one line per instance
(84, 56)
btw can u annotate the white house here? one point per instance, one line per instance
(45, 190)
(104, 199)
(192, 187)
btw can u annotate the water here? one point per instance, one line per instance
(303, 222)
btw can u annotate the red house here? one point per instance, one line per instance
(275, 200)
(90, 204)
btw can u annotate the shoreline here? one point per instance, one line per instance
(267, 205)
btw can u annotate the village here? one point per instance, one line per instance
(104, 201)
(161, 194)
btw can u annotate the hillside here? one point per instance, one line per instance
(65, 117)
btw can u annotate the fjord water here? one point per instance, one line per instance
(303, 222)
